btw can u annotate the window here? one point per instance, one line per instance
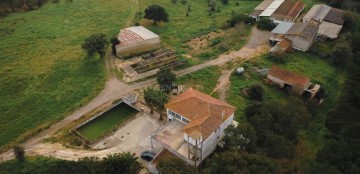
(171, 113)
(178, 116)
(185, 120)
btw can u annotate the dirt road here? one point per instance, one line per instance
(115, 89)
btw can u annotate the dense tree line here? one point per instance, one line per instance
(116, 163)
(9, 6)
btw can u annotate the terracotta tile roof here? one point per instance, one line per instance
(205, 113)
(289, 77)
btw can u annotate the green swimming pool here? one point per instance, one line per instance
(97, 127)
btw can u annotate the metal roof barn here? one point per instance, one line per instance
(271, 8)
(135, 40)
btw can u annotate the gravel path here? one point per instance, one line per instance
(115, 89)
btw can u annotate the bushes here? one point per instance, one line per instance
(237, 18)
(256, 92)
(265, 24)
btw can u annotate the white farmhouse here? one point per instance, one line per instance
(196, 124)
(134, 40)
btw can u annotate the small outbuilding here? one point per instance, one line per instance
(136, 40)
(301, 35)
(295, 83)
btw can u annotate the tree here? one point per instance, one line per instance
(256, 92)
(114, 41)
(231, 162)
(155, 98)
(252, 110)
(175, 166)
(278, 147)
(95, 43)
(265, 24)
(19, 152)
(121, 163)
(156, 13)
(165, 78)
(242, 137)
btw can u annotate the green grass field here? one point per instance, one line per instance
(97, 127)
(45, 75)
(204, 80)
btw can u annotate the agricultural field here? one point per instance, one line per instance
(44, 73)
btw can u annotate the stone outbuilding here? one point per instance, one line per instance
(295, 83)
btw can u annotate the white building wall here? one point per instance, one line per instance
(138, 47)
(210, 143)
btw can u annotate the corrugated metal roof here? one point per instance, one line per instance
(306, 30)
(263, 5)
(329, 29)
(271, 8)
(335, 16)
(282, 28)
(136, 34)
(318, 12)
(288, 10)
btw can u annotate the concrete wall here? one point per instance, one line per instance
(139, 47)
(299, 42)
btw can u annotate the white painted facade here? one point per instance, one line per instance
(209, 144)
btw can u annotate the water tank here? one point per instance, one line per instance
(239, 70)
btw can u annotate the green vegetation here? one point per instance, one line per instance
(309, 137)
(156, 13)
(116, 164)
(204, 80)
(95, 43)
(155, 98)
(182, 28)
(165, 79)
(44, 73)
(97, 127)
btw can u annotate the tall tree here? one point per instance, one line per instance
(155, 98)
(165, 78)
(156, 13)
(95, 43)
(242, 137)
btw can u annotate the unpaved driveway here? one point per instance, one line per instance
(115, 89)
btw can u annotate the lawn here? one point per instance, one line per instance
(319, 71)
(204, 80)
(97, 127)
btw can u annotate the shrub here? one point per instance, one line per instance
(256, 92)
(19, 152)
(265, 24)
